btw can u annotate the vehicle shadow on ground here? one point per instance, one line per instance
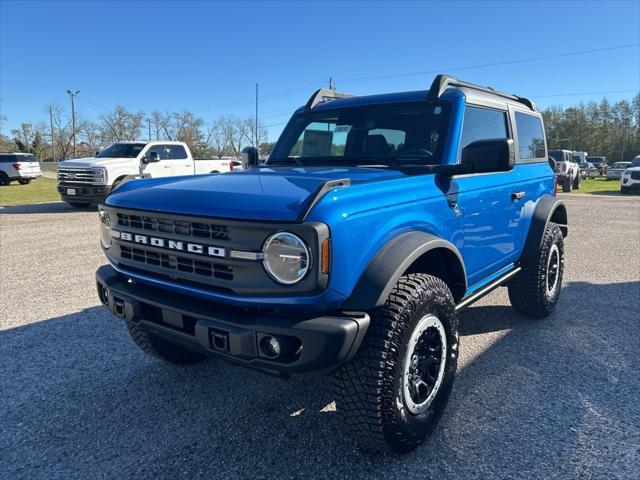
(78, 400)
(52, 207)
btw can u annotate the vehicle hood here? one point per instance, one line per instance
(276, 194)
(90, 162)
(633, 169)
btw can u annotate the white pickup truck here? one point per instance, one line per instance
(84, 181)
(567, 170)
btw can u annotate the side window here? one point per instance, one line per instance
(7, 158)
(159, 149)
(530, 136)
(177, 152)
(482, 124)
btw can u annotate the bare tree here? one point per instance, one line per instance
(248, 129)
(120, 125)
(24, 135)
(62, 137)
(216, 139)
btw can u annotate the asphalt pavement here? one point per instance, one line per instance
(556, 398)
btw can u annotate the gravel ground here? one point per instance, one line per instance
(533, 399)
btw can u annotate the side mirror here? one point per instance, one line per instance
(97, 152)
(249, 158)
(153, 157)
(492, 155)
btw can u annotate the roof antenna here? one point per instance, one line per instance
(332, 85)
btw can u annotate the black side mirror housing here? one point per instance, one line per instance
(249, 158)
(491, 155)
(153, 157)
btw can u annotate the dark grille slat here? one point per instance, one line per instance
(177, 263)
(191, 229)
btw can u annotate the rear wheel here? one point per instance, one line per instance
(24, 181)
(576, 182)
(566, 184)
(79, 204)
(4, 179)
(160, 348)
(393, 393)
(534, 292)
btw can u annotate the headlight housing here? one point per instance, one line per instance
(286, 258)
(105, 234)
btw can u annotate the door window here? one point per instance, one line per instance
(530, 136)
(483, 124)
(177, 152)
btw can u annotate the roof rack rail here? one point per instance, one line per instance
(442, 82)
(324, 95)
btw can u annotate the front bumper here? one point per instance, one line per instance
(318, 344)
(84, 192)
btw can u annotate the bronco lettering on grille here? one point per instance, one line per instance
(197, 248)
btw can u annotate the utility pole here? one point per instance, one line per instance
(149, 124)
(256, 129)
(73, 117)
(53, 147)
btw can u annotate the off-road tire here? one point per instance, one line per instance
(566, 184)
(160, 348)
(369, 389)
(576, 182)
(4, 179)
(528, 291)
(25, 181)
(79, 204)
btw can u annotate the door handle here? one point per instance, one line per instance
(515, 196)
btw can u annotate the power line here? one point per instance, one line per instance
(583, 93)
(494, 64)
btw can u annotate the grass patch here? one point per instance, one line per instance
(39, 190)
(598, 186)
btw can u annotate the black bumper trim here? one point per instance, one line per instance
(326, 341)
(84, 192)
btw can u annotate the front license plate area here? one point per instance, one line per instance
(71, 191)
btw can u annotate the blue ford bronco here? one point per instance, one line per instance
(349, 252)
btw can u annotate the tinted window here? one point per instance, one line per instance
(530, 136)
(161, 150)
(177, 152)
(7, 158)
(482, 124)
(557, 155)
(122, 150)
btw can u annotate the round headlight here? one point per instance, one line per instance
(286, 258)
(105, 235)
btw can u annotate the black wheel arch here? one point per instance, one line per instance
(411, 252)
(547, 210)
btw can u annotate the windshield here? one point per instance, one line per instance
(635, 162)
(620, 165)
(398, 134)
(122, 150)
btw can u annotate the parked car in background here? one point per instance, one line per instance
(588, 170)
(615, 171)
(580, 157)
(630, 179)
(18, 167)
(84, 181)
(567, 171)
(600, 163)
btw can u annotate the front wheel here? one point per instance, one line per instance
(24, 181)
(534, 292)
(4, 179)
(393, 393)
(160, 348)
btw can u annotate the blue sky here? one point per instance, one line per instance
(207, 56)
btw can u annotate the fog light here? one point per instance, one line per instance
(270, 346)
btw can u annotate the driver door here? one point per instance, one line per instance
(163, 168)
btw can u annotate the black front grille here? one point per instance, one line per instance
(177, 262)
(635, 175)
(173, 226)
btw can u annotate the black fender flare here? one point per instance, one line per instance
(548, 209)
(390, 263)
